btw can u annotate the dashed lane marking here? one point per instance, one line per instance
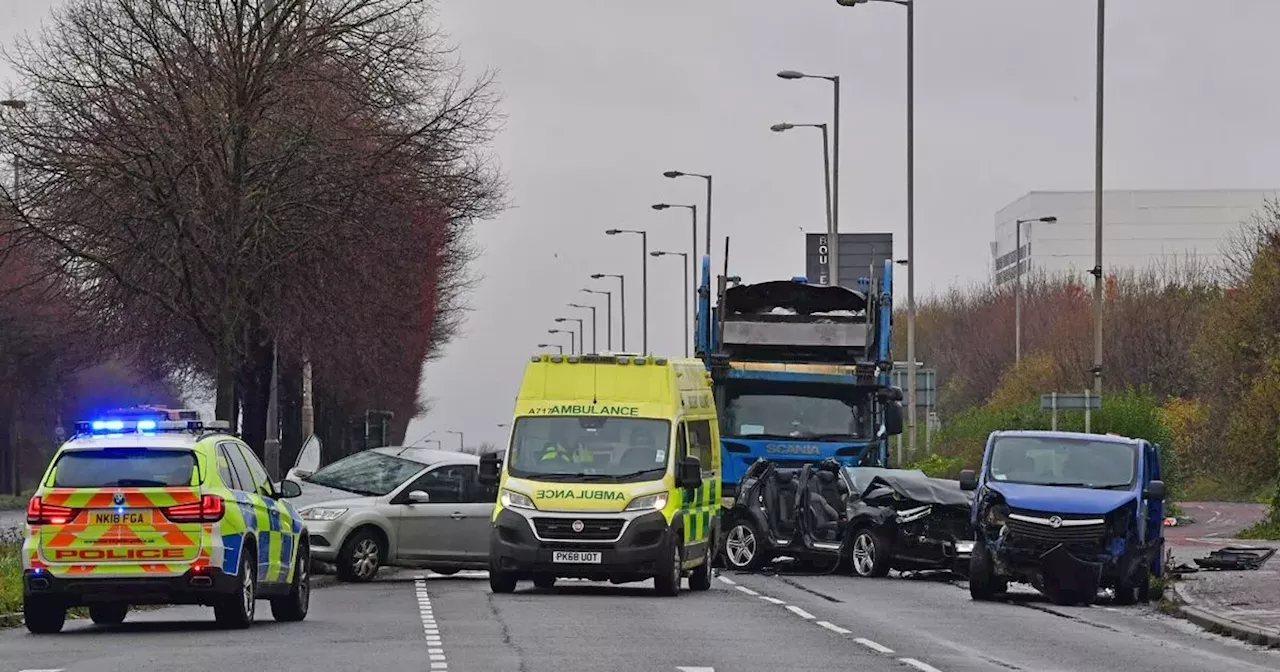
(874, 646)
(923, 667)
(799, 612)
(430, 630)
(696, 669)
(833, 627)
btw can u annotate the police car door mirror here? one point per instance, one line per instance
(893, 418)
(689, 473)
(968, 479)
(1155, 491)
(419, 497)
(490, 466)
(290, 489)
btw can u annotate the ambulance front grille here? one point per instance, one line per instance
(592, 529)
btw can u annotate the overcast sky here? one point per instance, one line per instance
(602, 96)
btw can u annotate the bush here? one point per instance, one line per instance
(939, 466)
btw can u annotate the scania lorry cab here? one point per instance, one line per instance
(612, 473)
(1068, 513)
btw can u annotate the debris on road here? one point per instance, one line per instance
(1236, 558)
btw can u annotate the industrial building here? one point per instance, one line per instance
(1141, 229)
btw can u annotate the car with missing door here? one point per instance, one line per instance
(398, 506)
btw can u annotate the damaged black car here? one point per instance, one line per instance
(866, 520)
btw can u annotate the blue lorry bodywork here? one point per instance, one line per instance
(833, 346)
(1068, 539)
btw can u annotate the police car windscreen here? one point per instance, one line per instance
(124, 468)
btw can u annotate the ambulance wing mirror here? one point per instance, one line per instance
(490, 468)
(689, 473)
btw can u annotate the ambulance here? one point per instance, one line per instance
(612, 473)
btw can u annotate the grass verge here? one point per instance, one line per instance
(10, 579)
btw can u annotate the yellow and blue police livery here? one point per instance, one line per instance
(142, 508)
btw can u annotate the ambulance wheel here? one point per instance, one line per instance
(502, 582)
(667, 584)
(112, 613)
(294, 607)
(544, 581)
(237, 610)
(43, 619)
(700, 577)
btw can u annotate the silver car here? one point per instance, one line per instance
(402, 507)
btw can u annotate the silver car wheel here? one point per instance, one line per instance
(740, 545)
(364, 561)
(864, 554)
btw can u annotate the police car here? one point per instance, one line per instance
(149, 506)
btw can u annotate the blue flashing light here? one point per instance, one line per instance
(146, 425)
(799, 278)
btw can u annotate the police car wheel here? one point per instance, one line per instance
(237, 610)
(43, 619)
(108, 614)
(294, 606)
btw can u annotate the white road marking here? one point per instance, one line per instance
(798, 611)
(696, 669)
(430, 632)
(774, 600)
(747, 590)
(881, 648)
(60, 670)
(923, 667)
(833, 627)
(729, 581)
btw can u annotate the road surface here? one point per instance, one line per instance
(745, 623)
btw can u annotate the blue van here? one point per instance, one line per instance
(1068, 513)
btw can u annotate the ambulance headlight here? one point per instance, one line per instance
(656, 502)
(513, 499)
(321, 513)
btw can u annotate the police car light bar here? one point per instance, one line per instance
(143, 426)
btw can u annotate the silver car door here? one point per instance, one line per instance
(477, 512)
(429, 530)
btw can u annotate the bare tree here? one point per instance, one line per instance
(227, 177)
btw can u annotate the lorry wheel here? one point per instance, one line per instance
(871, 553)
(983, 582)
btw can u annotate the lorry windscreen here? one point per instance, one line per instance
(1079, 463)
(590, 448)
(809, 412)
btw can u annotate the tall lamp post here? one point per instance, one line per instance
(833, 244)
(826, 165)
(687, 335)
(462, 446)
(594, 346)
(622, 303)
(572, 350)
(15, 104)
(644, 283)
(1017, 287)
(693, 247)
(1097, 205)
(552, 345)
(581, 339)
(672, 174)
(608, 315)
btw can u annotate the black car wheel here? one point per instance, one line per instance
(983, 582)
(742, 547)
(871, 554)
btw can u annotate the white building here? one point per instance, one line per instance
(1140, 229)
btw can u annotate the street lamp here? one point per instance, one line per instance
(1017, 287)
(1097, 206)
(687, 336)
(462, 446)
(15, 104)
(552, 345)
(826, 165)
(622, 301)
(693, 249)
(594, 347)
(608, 315)
(833, 244)
(644, 283)
(582, 341)
(677, 173)
(572, 350)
